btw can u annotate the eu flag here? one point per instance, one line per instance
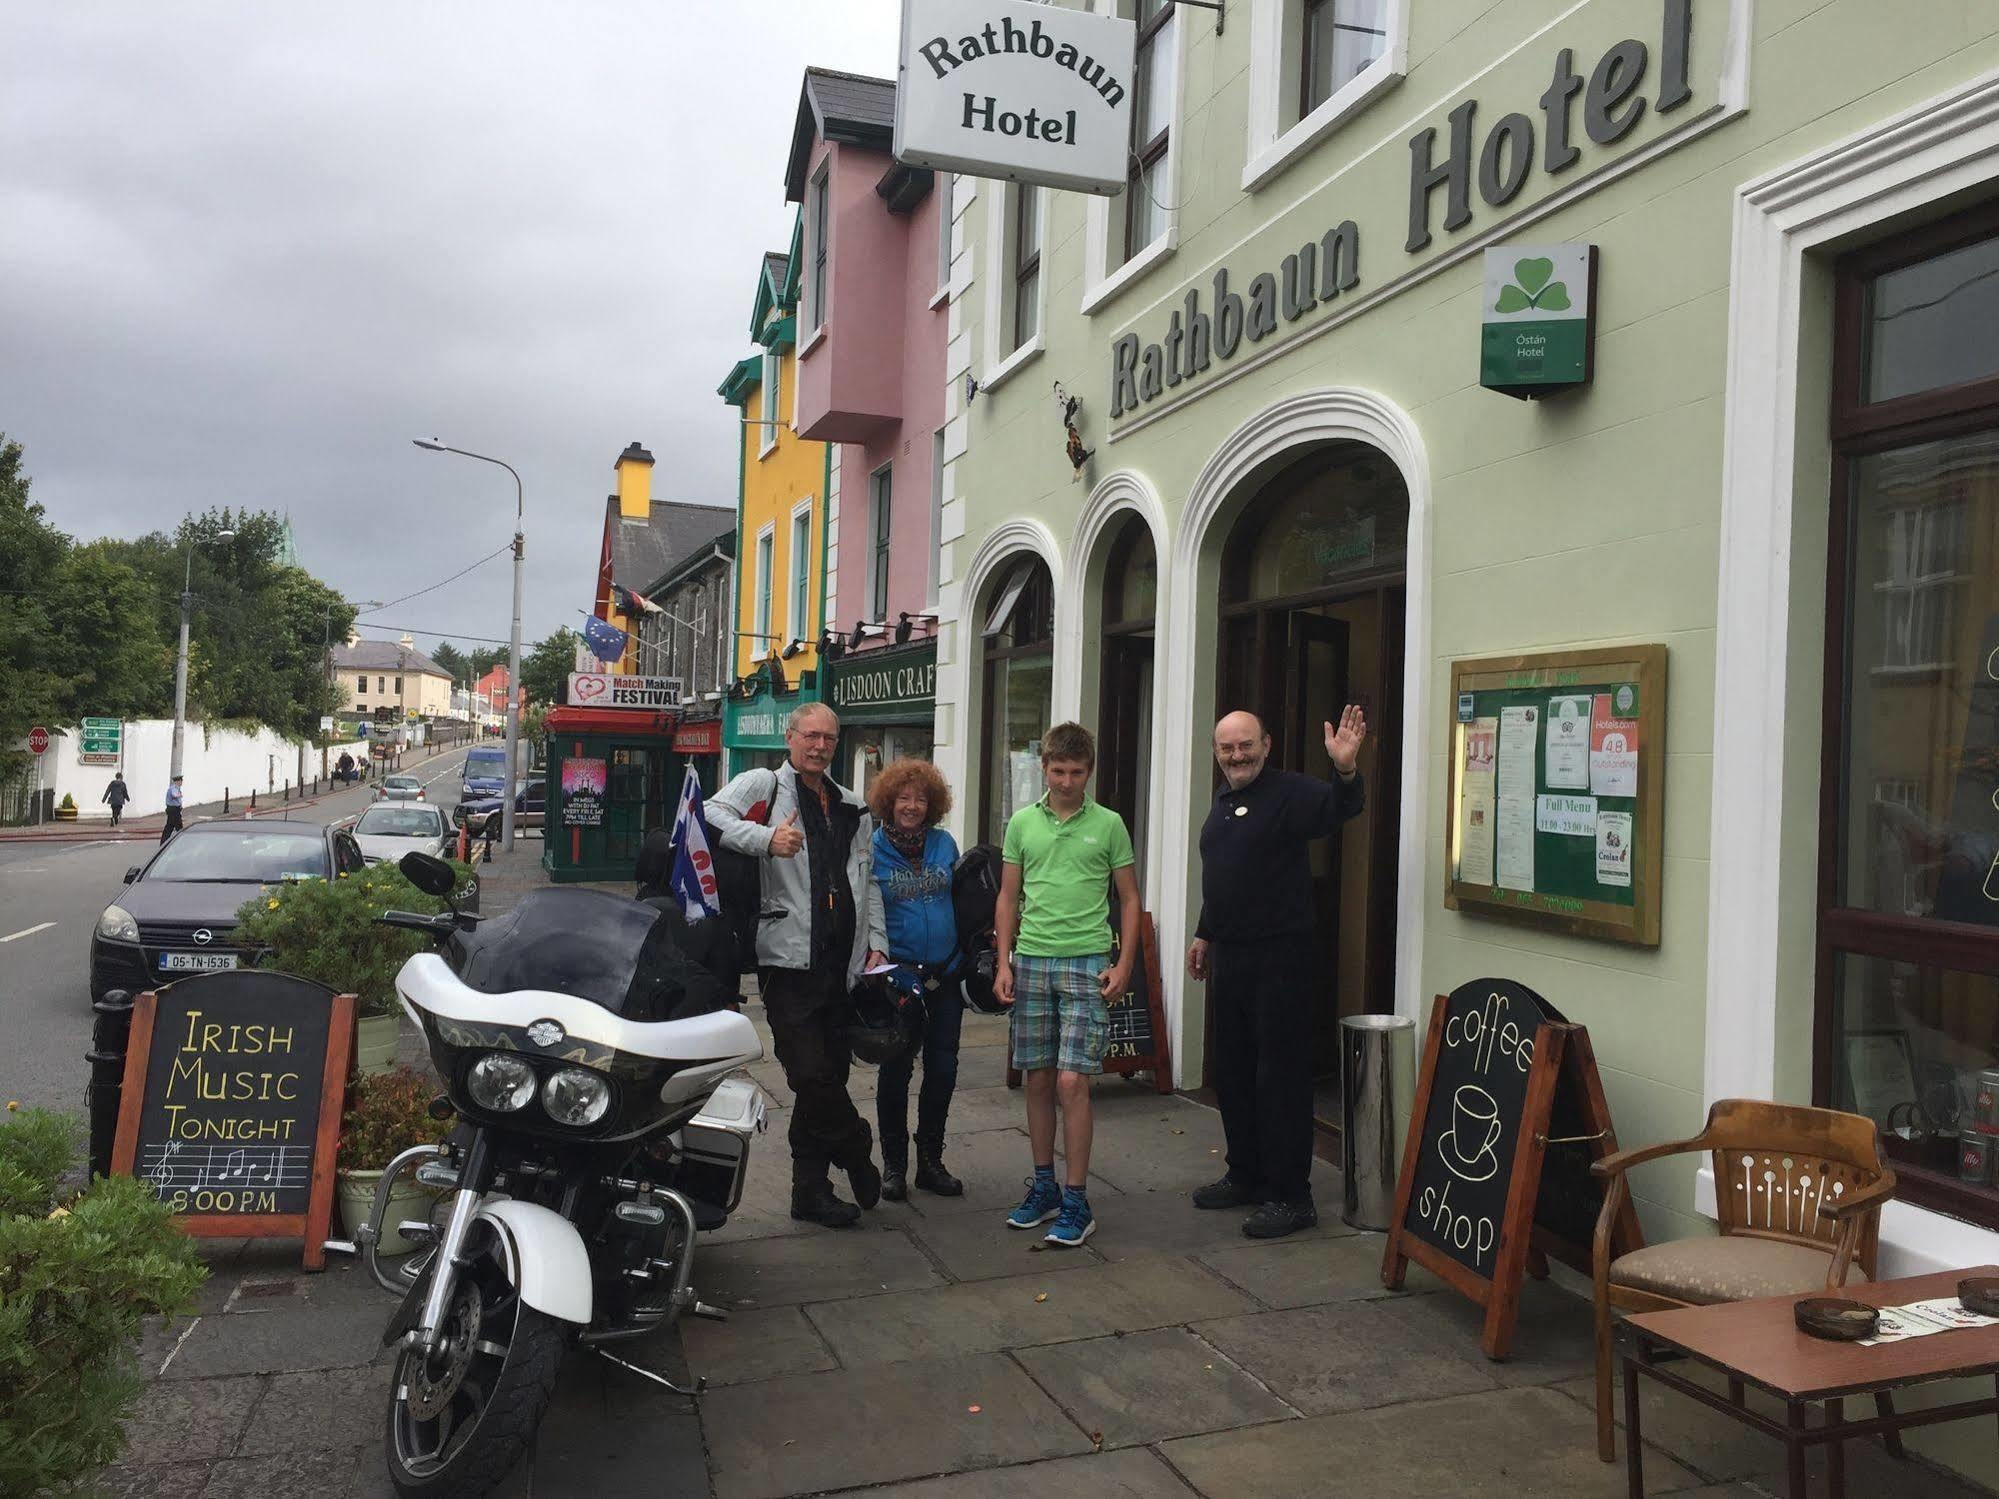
(606, 640)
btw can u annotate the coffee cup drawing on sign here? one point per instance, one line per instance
(1467, 1147)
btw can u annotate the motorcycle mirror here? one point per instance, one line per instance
(430, 875)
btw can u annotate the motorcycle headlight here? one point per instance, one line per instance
(576, 1096)
(500, 1084)
(117, 925)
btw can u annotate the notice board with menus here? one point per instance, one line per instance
(1557, 790)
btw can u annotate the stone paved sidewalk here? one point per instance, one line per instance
(932, 1354)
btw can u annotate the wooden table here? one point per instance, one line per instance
(1757, 1343)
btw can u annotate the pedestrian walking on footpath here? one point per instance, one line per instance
(1061, 858)
(174, 798)
(819, 925)
(1254, 947)
(117, 794)
(913, 860)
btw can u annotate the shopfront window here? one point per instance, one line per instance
(1338, 515)
(1124, 712)
(1909, 955)
(1019, 683)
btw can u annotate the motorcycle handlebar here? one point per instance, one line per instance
(431, 926)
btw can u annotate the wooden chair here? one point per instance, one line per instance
(1798, 1195)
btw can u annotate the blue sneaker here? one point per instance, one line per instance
(1042, 1202)
(1073, 1224)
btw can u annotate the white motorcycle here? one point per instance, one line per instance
(595, 1071)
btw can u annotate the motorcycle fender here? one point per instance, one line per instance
(549, 1265)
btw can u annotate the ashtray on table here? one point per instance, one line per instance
(1835, 1319)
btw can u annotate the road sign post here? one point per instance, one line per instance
(101, 741)
(38, 745)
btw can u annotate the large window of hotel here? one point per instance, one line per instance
(769, 398)
(1124, 714)
(1151, 126)
(1313, 65)
(818, 226)
(1026, 261)
(801, 573)
(945, 182)
(766, 545)
(1341, 37)
(879, 519)
(1019, 686)
(1908, 969)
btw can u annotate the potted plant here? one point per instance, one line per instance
(326, 930)
(387, 1113)
(66, 808)
(79, 1271)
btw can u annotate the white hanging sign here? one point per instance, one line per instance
(1001, 88)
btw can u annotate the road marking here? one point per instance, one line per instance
(28, 931)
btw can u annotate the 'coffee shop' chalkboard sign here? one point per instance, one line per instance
(1509, 1114)
(231, 1105)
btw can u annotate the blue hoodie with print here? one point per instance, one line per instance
(922, 926)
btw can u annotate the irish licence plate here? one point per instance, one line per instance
(196, 962)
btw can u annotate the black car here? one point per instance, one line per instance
(481, 815)
(178, 909)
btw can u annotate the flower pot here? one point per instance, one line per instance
(65, 814)
(375, 1042)
(357, 1200)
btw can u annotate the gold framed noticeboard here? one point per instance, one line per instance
(1556, 792)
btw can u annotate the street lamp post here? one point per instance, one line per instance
(180, 661)
(514, 642)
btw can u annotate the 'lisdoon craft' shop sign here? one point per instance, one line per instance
(1034, 93)
(1445, 167)
(883, 685)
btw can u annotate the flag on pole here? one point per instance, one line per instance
(693, 877)
(630, 601)
(606, 640)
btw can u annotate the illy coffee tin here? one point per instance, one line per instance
(1985, 1113)
(1974, 1156)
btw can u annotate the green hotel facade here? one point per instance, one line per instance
(1436, 332)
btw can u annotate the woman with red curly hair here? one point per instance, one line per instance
(913, 860)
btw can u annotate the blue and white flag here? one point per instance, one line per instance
(693, 877)
(606, 640)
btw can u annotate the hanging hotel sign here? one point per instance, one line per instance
(597, 689)
(1539, 321)
(1001, 88)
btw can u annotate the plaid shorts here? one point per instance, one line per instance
(1059, 1015)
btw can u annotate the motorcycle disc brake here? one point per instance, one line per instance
(433, 1380)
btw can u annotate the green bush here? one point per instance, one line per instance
(77, 1273)
(326, 930)
(387, 1113)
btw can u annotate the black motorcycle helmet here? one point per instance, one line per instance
(975, 984)
(886, 1024)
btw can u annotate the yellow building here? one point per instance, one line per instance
(392, 674)
(781, 528)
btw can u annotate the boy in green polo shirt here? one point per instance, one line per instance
(1062, 856)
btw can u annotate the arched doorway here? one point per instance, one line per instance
(1125, 696)
(1017, 635)
(1311, 618)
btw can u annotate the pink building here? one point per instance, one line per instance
(873, 292)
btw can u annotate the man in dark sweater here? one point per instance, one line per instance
(1254, 943)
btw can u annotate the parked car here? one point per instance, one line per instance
(179, 907)
(388, 830)
(483, 775)
(399, 788)
(529, 798)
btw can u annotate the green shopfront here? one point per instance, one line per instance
(887, 702)
(754, 716)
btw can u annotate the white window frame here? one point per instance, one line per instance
(945, 191)
(762, 580)
(1276, 30)
(817, 277)
(1101, 280)
(936, 520)
(800, 601)
(881, 518)
(1001, 361)
(772, 380)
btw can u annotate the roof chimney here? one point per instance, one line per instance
(634, 483)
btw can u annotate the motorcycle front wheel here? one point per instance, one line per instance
(461, 1418)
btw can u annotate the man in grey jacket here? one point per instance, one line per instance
(819, 925)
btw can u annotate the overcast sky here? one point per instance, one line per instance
(248, 251)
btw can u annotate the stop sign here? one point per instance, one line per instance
(38, 739)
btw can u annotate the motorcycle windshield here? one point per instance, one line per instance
(616, 953)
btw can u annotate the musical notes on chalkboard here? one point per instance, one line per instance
(175, 1166)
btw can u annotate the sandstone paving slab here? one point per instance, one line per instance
(1149, 1386)
(1142, 1224)
(342, 1286)
(995, 1314)
(863, 1261)
(977, 1246)
(1503, 1442)
(152, 1481)
(184, 1420)
(1553, 1339)
(995, 1166)
(819, 1432)
(353, 1473)
(1306, 1270)
(279, 1342)
(1131, 1474)
(763, 1342)
(1342, 1357)
(610, 1434)
(323, 1408)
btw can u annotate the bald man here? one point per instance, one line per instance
(1254, 946)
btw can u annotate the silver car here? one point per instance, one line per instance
(388, 830)
(399, 789)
